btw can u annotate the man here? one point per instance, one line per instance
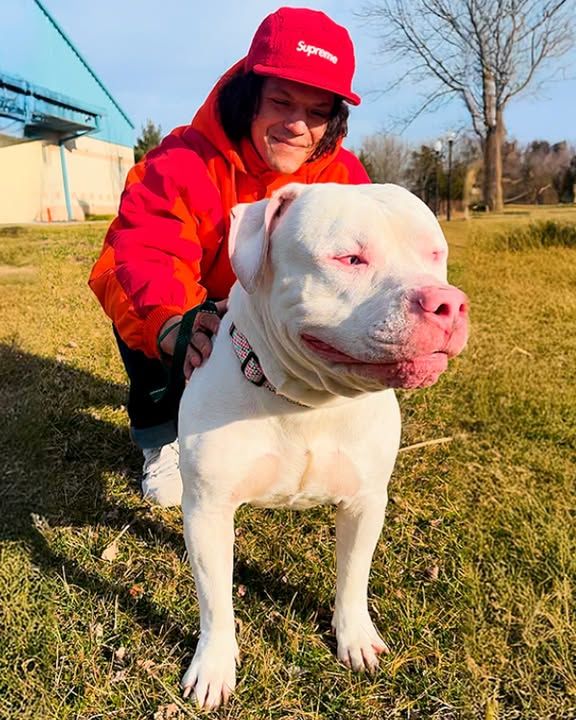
(278, 116)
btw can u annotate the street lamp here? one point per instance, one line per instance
(437, 153)
(451, 138)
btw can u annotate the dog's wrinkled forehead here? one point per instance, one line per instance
(333, 215)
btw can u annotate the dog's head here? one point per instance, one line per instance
(350, 284)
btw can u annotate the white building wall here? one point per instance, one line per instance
(32, 186)
(20, 182)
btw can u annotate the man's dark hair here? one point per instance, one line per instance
(239, 102)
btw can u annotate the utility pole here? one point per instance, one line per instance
(437, 155)
(451, 138)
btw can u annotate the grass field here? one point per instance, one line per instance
(473, 582)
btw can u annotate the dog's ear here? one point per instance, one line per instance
(251, 226)
(247, 244)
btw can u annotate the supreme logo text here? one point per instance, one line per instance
(313, 50)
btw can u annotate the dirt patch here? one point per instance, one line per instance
(8, 272)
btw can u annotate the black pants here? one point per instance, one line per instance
(152, 424)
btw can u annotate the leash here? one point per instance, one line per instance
(174, 366)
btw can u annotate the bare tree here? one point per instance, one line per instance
(386, 158)
(483, 52)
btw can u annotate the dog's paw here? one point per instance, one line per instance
(359, 643)
(212, 672)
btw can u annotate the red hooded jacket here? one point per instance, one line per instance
(166, 252)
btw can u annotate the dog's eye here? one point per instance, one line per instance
(351, 260)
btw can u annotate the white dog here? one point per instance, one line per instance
(341, 295)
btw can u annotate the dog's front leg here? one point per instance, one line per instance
(209, 534)
(358, 528)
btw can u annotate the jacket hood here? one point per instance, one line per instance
(243, 156)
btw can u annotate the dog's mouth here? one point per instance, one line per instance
(413, 372)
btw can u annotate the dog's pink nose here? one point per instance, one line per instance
(445, 306)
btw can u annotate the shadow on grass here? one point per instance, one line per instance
(55, 454)
(54, 449)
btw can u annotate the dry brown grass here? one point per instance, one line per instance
(473, 580)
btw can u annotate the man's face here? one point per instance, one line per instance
(290, 123)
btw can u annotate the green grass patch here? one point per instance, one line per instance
(473, 581)
(543, 234)
(95, 217)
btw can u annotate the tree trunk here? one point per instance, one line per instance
(493, 196)
(469, 181)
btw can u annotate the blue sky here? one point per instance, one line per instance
(160, 60)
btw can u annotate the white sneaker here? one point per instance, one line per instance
(161, 481)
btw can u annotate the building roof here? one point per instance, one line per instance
(47, 85)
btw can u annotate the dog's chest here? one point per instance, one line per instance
(303, 460)
(300, 479)
(281, 456)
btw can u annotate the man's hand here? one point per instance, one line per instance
(205, 325)
(200, 346)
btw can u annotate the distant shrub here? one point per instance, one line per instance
(547, 233)
(12, 231)
(92, 217)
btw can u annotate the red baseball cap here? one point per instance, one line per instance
(304, 46)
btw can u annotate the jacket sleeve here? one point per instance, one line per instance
(149, 269)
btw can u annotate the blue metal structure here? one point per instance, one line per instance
(42, 112)
(46, 87)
